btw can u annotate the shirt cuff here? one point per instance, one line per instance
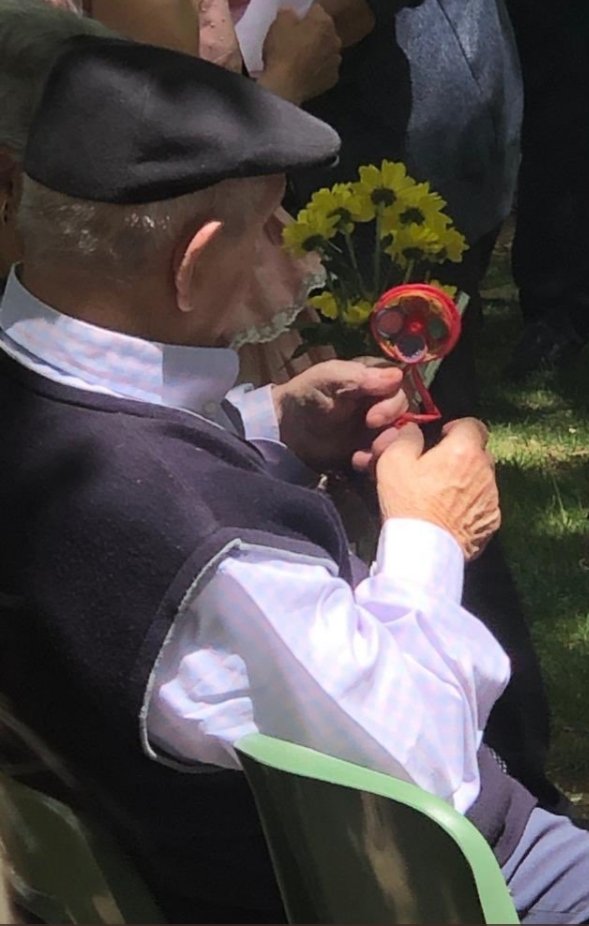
(261, 428)
(257, 411)
(418, 553)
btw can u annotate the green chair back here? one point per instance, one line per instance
(62, 867)
(350, 845)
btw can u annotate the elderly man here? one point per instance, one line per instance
(179, 581)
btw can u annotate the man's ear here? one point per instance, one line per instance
(187, 263)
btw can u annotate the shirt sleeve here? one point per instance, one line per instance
(394, 675)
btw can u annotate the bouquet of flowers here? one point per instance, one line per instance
(411, 235)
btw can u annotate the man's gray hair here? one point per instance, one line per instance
(32, 33)
(118, 241)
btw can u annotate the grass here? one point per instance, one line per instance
(541, 439)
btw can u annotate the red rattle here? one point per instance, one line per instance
(414, 324)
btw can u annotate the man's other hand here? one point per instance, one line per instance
(302, 57)
(353, 19)
(453, 485)
(334, 411)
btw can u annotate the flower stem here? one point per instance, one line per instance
(377, 251)
(337, 287)
(409, 272)
(354, 262)
(337, 259)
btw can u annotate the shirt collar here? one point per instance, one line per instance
(193, 378)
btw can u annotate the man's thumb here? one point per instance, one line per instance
(406, 447)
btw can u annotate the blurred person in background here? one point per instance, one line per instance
(552, 235)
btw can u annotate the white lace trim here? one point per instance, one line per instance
(281, 322)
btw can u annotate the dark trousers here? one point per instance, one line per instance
(518, 728)
(552, 235)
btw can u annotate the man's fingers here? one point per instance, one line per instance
(407, 444)
(367, 377)
(384, 414)
(362, 460)
(373, 361)
(384, 441)
(380, 381)
(468, 429)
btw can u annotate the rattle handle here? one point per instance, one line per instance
(430, 410)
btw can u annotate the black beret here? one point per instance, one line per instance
(123, 122)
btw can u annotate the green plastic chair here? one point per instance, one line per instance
(62, 868)
(349, 845)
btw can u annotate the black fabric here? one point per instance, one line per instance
(503, 807)
(111, 508)
(123, 122)
(552, 235)
(519, 725)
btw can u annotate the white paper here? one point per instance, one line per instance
(253, 27)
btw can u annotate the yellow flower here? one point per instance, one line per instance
(449, 290)
(325, 304)
(421, 206)
(343, 203)
(309, 232)
(454, 245)
(359, 313)
(414, 243)
(361, 208)
(383, 186)
(348, 201)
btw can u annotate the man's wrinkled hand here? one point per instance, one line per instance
(453, 485)
(331, 414)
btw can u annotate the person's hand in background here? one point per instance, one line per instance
(353, 19)
(302, 57)
(218, 41)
